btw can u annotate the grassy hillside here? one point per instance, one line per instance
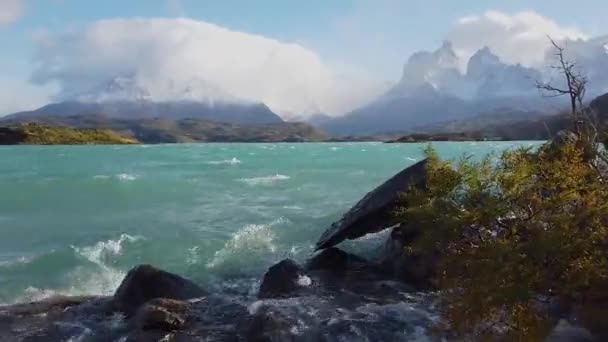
(37, 134)
(186, 130)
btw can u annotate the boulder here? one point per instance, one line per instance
(374, 212)
(146, 282)
(267, 325)
(162, 314)
(334, 259)
(416, 270)
(281, 280)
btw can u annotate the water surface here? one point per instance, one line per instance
(74, 219)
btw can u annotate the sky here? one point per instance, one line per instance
(297, 56)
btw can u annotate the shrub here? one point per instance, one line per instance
(514, 234)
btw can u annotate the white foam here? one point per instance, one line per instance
(266, 180)
(304, 281)
(411, 159)
(101, 177)
(233, 161)
(254, 241)
(18, 261)
(125, 177)
(255, 307)
(193, 255)
(102, 280)
(100, 252)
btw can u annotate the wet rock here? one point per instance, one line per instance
(267, 325)
(334, 259)
(374, 212)
(162, 314)
(565, 331)
(281, 280)
(146, 282)
(416, 270)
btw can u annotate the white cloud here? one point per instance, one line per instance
(11, 10)
(167, 54)
(18, 95)
(517, 38)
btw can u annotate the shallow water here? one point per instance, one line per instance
(74, 219)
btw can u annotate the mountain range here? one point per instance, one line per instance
(435, 88)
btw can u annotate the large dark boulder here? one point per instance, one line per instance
(334, 259)
(282, 279)
(267, 325)
(417, 270)
(162, 314)
(146, 282)
(375, 212)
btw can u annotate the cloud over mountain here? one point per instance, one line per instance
(10, 10)
(515, 38)
(173, 58)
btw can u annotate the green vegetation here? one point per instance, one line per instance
(37, 134)
(154, 131)
(514, 233)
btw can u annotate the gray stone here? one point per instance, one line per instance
(375, 212)
(146, 282)
(162, 314)
(281, 279)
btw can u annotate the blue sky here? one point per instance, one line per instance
(374, 37)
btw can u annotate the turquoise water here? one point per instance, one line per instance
(74, 219)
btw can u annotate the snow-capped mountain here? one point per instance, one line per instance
(435, 87)
(123, 97)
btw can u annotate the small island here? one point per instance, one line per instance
(38, 134)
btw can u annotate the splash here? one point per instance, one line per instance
(252, 243)
(97, 278)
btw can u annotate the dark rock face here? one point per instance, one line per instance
(162, 314)
(334, 259)
(415, 270)
(146, 282)
(11, 136)
(375, 211)
(281, 280)
(267, 325)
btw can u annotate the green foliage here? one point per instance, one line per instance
(36, 134)
(514, 232)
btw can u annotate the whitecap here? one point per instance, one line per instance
(193, 255)
(18, 261)
(102, 279)
(101, 177)
(266, 180)
(233, 161)
(292, 207)
(411, 159)
(125, 177)
(253, 241)
(102, 250)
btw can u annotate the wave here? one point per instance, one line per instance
(19, 261)
(123, 177)
(247, 247)
(411, 159)
(96, 278)
(233, 161)
(266, 180)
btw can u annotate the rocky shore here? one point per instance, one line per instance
(333, 296)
